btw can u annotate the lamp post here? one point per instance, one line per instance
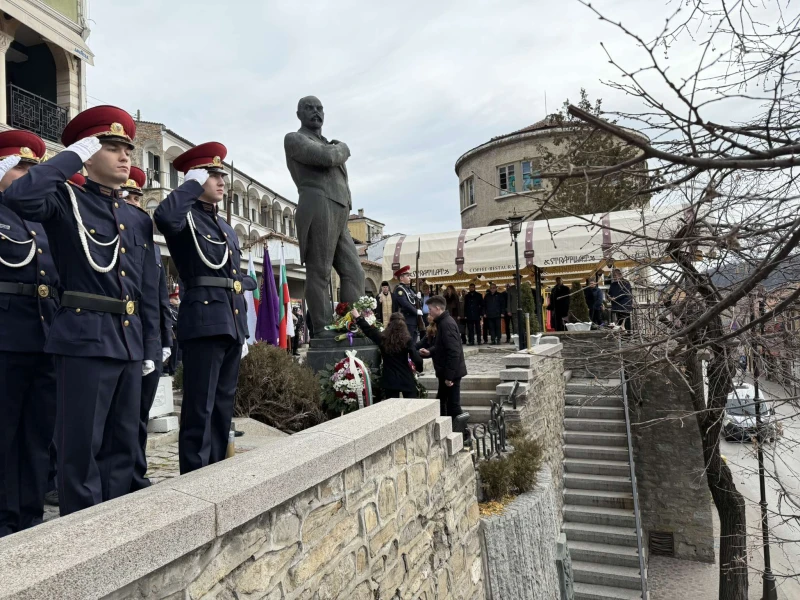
(515, 227)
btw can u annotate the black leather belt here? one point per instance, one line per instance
(28, 289)
(97, 303)
(219, 282)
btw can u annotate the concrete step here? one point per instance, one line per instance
(478, 397)
(596, 452)
(481, 414)
(597, 438)
(599, 498)
(468, 383)
(601, 534)
(609, 483)
(607, 554)
(598, 515)
(608, 575)
(595, 425)
(587, 591)
(592, 400)
(593, 386)
(594, 412)
(598, 467)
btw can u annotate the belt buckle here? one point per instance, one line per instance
(43, 291)
(130, 307)
(237, 287)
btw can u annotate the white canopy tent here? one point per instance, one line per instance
(571, 247)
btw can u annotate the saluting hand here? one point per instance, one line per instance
(7, 164)
(86, 148)
(198, 175)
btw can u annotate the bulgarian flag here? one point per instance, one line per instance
(252, 300)
(285, 301)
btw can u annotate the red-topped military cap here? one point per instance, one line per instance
(78, 180)
(207, 156)
(136, 181)
(104, 122)
(402, 271)
(28, 146)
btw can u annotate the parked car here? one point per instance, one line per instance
(739, 421)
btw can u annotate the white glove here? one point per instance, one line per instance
(419, 295)
(86, 148)
(198, 175)
(123, 194)
(245, 350)
(148, 367)
(7, 164)
(419, 312)
(165, 354)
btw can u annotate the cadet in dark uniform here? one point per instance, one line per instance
(28, 301)
(149, 382)
(405, 301)
(212, 322)
(106, 334)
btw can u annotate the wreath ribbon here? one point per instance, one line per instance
(360, 372)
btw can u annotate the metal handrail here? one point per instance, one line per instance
(636, 513)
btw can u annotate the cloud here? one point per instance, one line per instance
(409, 86)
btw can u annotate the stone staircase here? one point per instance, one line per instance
(598, 498)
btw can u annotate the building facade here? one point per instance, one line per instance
(43, 66)
(363, 229)
(264, 220)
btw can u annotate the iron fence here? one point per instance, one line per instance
(29, 111)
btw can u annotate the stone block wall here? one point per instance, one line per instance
(590, 354)
(673, 491)
(377, 505)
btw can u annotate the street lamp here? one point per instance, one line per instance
(515, 227)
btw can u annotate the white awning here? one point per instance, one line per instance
(553, 245)
(38, 18)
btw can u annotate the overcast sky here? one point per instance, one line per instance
(409, 86)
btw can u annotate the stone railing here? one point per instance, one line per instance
(377, 504)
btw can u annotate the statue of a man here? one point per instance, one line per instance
(318, 169)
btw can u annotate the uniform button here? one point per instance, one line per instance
(42, 317)
(236, 312)
(33, 232)
(92, 231)
(127, 297)
(205, 301)
(234, 271)
(121, 227)
(122, 250)
(77, 310)
(41, 273)
(126, 322)
(122, 273)
(225, 234)
(116, 204)
(39, 250)
(230, 253)
(208, 235)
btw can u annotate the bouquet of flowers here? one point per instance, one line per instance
(351, 383)
(343, 321)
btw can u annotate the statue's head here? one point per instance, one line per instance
(311, 113)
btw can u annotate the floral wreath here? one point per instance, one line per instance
(352, 382)
(344, 323)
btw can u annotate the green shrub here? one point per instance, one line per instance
(278, 391)
(495, 478)
(514, 473)
(577, 303)
(177, 379)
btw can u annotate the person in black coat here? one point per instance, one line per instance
(473, 309)
(494, 309)
(448, 358)
(559, 303)
(397, 349)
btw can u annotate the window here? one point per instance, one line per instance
(236, 204)
(530, 177)
(253, 216)
(173, 177)
(508, 180)
(467, 192)
(153, 170)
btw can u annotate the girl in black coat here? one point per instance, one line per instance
(397, 348)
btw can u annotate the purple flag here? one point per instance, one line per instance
(268, 310)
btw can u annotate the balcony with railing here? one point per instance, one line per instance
(33, 113)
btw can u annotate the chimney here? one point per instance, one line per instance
(360, 213)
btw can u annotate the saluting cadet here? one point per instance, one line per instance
(106, 334)
(28, 301)
(405, 300)
(212, 323)
(149, 382)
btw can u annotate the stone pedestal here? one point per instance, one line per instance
(163, 403)
(326, 351)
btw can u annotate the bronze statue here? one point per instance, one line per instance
(318, 169)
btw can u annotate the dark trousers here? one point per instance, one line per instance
(597, 316)
(559, 322)
(412, 329)
(389, 393)
(97, 421)
(509, 321)
(27, 420)
(210, 371)
(485, 330)
(622, 318)
(149, 389)
(449, 398)
(472, 327)
(494, 328)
